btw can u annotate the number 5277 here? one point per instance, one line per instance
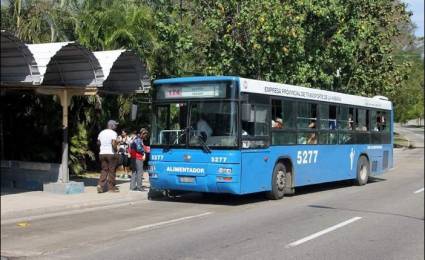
(306, 157)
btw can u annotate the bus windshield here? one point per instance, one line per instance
(195, 124)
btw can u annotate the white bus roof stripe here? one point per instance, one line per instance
(285, 90)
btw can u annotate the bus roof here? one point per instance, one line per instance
(195, 79)
(279, 89)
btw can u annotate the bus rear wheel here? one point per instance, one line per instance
(363, 170)
(279, 180)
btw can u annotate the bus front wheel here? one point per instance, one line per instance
(362, 171)
(279, 179)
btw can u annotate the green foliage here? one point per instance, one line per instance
(336, 45)
(408, 99)
(38, 21)
(79, 151)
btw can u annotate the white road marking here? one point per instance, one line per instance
(167, 222)
(418, 191)
(320, 233)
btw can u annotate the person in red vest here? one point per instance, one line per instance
(137, 154)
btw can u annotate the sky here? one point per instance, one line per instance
(417, 8)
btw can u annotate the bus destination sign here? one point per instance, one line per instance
(193, 91)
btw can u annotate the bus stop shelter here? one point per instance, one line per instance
(68, 69)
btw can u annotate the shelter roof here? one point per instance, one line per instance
(18, 66)
(124, 72)
(70, 65)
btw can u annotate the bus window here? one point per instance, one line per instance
(381, 120)
(307, 123)
(255, 125)
(288, 114)
(283, 114)
(362, 126)
(386, 127)
(286, 134)
(214, 123)
(380, 130)
(277, 121)
(327, 115)
(306, 118)
(362, 120)
(169, 124)
(346, 118)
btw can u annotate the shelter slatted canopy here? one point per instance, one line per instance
(18, 66)
(67, 69)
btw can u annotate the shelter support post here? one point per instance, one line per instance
(63, 185)
(65, 99)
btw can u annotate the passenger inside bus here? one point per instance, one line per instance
(277, 123)
(312, 139)
(350, 122)
(380, 121)
(202, 126)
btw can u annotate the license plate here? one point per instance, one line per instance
(187, 179)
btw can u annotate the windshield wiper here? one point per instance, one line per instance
(184, 132)
(204, 146)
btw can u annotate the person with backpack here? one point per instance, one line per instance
(123, 148)
(137, 154)
(146, 147)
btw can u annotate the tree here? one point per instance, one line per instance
(38, 21)
(409, 97)
(336, 45)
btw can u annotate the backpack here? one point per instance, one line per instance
(137, 146)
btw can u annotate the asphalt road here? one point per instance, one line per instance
(382, 220)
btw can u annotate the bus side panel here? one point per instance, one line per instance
(317, 163)
(256, 171)
(380, 158)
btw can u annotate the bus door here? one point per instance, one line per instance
(255, 131)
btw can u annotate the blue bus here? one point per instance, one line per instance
(225, 134)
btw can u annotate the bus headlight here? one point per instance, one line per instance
(224, 179)
(223, 170)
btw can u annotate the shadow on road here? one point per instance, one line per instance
(237, 200)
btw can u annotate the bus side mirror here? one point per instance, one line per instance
(247, 113)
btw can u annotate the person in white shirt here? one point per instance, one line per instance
(108, 157)
(203, 127)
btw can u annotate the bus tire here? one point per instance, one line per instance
(155, 194)
(363, 170)
(278, 182)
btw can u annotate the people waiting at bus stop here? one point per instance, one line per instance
(138, 154)
(124, 142)
(107, 141)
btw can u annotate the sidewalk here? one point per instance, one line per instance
(19, 205)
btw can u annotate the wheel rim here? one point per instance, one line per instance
(280, 179)
(363, 172)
